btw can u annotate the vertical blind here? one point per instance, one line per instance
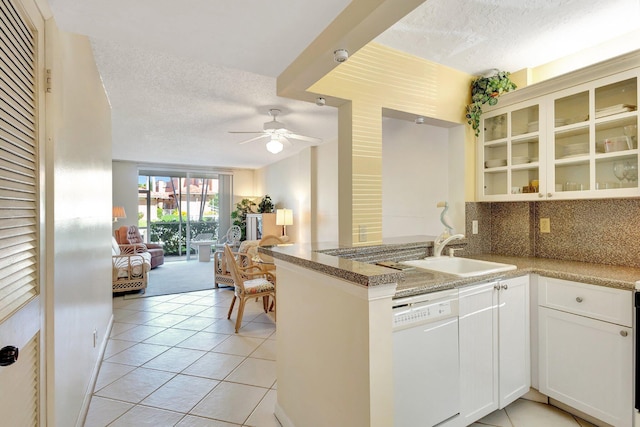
(18, 162)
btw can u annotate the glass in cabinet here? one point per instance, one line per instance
(510, 153)
(594, 139)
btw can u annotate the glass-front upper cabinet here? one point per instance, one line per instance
(509, 150)
(575, 143)
(593, 139)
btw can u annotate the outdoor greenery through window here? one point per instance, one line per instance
(175, 210)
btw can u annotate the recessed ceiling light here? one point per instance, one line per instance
(340, 55)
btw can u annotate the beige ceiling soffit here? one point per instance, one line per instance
(357, 25)
(383, 76)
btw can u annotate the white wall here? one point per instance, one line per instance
(125, 191)
(421, 166)
(458, 175)
(243, 186)
(417, 171)
(288, 182)
(78, 223)
(326, 194)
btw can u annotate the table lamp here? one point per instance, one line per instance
(284, 217)
(117, 212)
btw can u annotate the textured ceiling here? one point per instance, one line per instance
(480, 35)
(180, 75)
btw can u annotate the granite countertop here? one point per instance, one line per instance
(415, 282)
(323, 258)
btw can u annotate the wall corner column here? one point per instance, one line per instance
(360, 173)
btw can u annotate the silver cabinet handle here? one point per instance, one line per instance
(540, 195)
(496, 286)
(579, 299)
(624, 333)
(549, 194)
(505, 287)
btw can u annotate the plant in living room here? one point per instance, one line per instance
(486, 90)
(239, 216)
(266, 205)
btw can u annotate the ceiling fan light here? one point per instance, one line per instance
(274, 146)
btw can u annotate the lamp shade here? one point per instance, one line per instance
(118, 212)
(284, 217)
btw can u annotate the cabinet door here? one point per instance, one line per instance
(587, 364)
(478, 351)
(593, 149)
(514, 336)
(510, 152)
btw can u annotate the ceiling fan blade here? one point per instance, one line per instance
(285, 141)
(309, 139)
(236, 131)
(252, 139)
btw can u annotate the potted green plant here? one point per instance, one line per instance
(486, 90)
(239, 216)
(266, 205)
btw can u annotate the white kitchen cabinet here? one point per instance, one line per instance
(562, 143)
(584, 362)
(592, 129)
(494, 346)
(510, 152)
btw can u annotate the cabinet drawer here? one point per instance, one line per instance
(597, 302)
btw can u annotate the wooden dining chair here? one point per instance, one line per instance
(248, 284)
(267, 260)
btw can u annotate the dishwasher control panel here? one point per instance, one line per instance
(421, 312)
(426, 308)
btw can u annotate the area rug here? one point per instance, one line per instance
(174, 277)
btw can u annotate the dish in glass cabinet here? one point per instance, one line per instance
(576, 149)
(495, 163)
(519, 160)
(611, 145)
(614, 109)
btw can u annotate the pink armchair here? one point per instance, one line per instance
(130, 241)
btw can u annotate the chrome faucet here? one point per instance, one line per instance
(442, 241)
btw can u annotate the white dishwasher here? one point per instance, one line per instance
(426, 373)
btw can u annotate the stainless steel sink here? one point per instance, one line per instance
(463, 267)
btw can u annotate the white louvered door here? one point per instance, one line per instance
(21, 115)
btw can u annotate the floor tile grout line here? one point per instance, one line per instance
(263, 340)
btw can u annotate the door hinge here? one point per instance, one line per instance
(48, 82)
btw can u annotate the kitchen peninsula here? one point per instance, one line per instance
(334, 347)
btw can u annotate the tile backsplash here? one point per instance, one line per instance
(604, 231)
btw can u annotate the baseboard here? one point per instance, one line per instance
(282, 417)
(578, 413)
(84, 409)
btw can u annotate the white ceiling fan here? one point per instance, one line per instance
(277, 134)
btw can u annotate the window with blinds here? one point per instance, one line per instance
(18, 162)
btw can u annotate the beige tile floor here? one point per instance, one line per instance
(174, 360)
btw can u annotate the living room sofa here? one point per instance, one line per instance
(130, 235)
